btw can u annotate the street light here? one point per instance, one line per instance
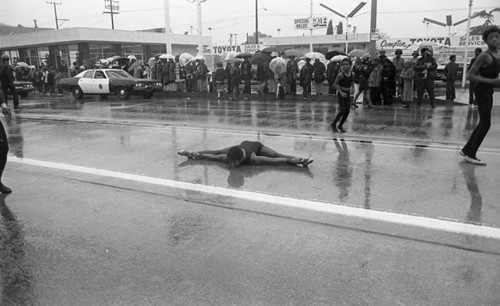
(350, 15)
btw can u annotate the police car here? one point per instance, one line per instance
(109, 82)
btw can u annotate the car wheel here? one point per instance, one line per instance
(147, 95)
(23, 95)
(77, 92)
(123, 93)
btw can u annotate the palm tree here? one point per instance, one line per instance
(477, 30)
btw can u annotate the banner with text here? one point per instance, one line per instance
(218, 50)
(310, 23)
(450, 42)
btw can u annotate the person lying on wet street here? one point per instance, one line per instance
(247, 152)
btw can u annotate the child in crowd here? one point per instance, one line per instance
(407, 75)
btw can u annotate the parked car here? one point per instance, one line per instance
(23, 88)
(109, 82)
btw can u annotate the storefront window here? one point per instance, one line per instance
(158, 49)
(135, 50)
(43, 56)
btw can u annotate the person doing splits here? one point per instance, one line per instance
(247, 152)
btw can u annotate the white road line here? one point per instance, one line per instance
(333, 208)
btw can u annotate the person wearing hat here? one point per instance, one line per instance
(425, 69)
(7, 80)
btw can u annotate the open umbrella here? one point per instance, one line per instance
(135, 65)
(293, 52)
(357, 53)
(260, 58)
(184, 58)
(167, 56)
(270, 50)
(301, 64)
(230, 56)
(198, 57)
(338, 58)
(151, 62)
(132, 57)
(333, 53)
(244, 55)
(22, 64)
(315, 55)
(278, 65)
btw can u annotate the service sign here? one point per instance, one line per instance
(311, 23)
(218, 50)
(450, 42)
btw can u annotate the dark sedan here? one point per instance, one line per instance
(109, 82)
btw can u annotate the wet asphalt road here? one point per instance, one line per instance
(71, 237)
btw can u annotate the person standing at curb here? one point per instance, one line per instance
(485, 73)
(451, 73)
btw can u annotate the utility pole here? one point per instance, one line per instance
(467, 44)
(256, 22)
(113, 9)
(55, 13)
(168, 38)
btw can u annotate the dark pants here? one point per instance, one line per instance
(247, 88)
(388, 89)
(344, 109)
(293, 86)
(450, 89)
(484, 106)
(5, 88)
(375, 95)
(306, 89)
(472, 86)
(4, 149)
(331, 88)
(428, 85)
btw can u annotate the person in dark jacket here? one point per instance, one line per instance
(332, 69)
(220, 76)
(319, 76)
(262, 77)
(291, 76)
(451, 73)
(472, 84)
(246, 75)
(425, 69)
(7, 80)
(388, 85)
(228, 70)
(305, 78)
(236, 80)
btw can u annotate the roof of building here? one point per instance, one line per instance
(6, 29)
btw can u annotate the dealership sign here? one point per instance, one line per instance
(218, 50)
(310, 23)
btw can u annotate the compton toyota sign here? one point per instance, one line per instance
(451, 42)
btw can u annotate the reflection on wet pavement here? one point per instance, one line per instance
(15, 276)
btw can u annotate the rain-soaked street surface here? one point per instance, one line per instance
(104, 212)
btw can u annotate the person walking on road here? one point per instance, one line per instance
(485, 73)
(343, 84)
(7, 81)
(247, 152)
(4, 143)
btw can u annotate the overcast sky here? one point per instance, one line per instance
(397, 18)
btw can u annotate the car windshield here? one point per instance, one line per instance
(118, 74)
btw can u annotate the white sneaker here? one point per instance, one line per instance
(474, 161)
